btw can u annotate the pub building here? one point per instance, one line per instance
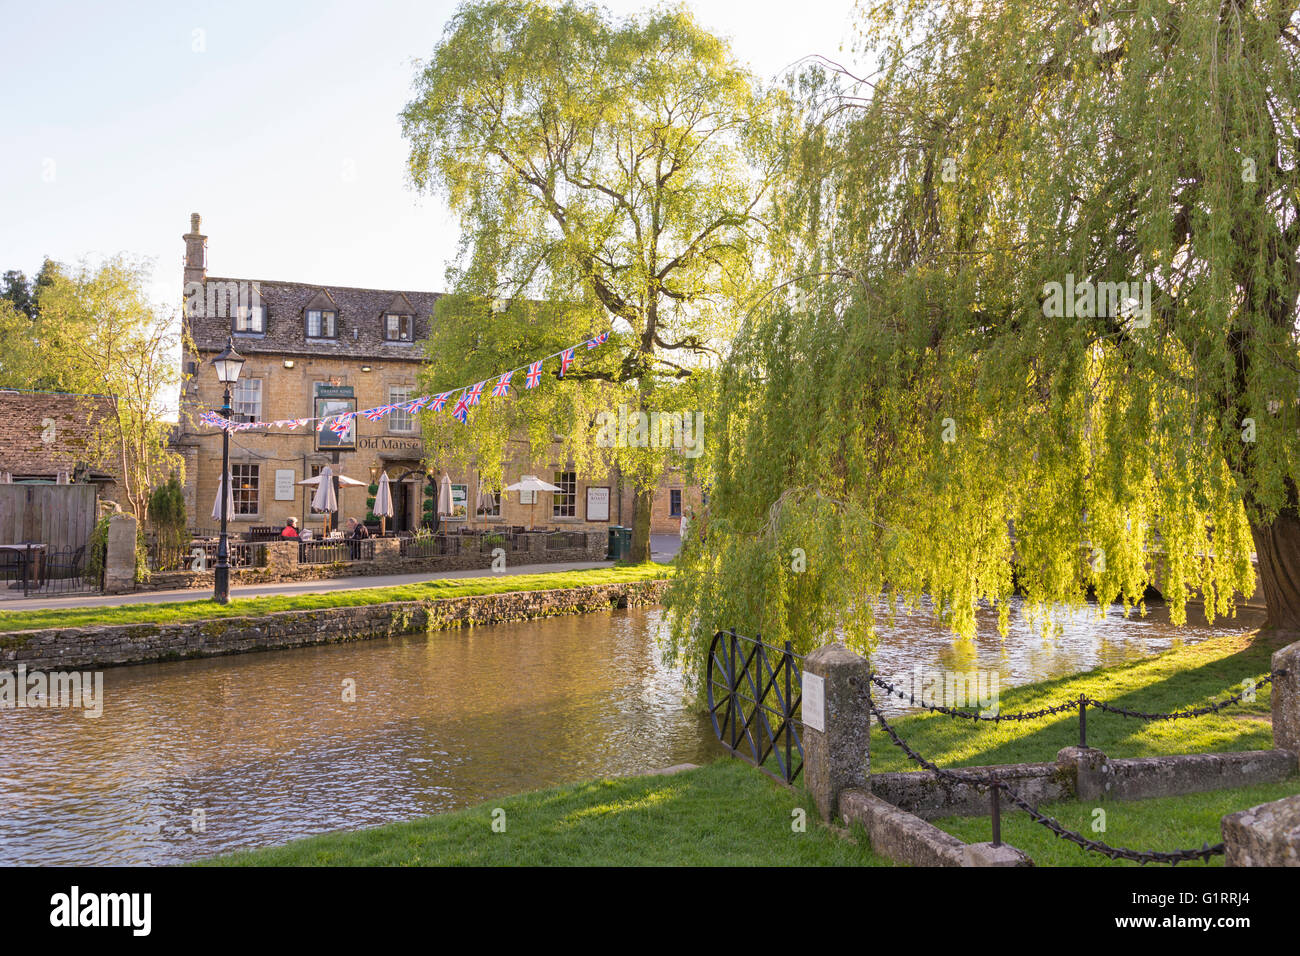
(314, 351)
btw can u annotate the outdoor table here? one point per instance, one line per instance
(32, 555)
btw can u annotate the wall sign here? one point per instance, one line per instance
(597, 504)
(284, 484)
(459, 502)
(814, 701)
(334, 400)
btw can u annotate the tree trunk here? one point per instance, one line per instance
(642, 504)
(1277, 545)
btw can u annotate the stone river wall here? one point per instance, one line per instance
(109, 645)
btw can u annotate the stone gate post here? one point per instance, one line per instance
(1285, 698)
(837, 725)
(119, 555)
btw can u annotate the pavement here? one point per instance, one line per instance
(663, 548)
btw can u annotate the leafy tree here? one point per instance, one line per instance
(97, 334)
(936, 411)
(617, 171)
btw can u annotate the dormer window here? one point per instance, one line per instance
(322, 324)
(398, 328)
(250, 318)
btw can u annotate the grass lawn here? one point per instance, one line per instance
(1169, 823)
(723, 814)
(1178, 679)
(207, 609)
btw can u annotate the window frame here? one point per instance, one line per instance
(405, 319)
(245, 313)
(675, 510)
(241, 494)
(564, 503)
(399, 413)
(334, 323)
(236, 401)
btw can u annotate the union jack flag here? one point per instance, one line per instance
(340, 425)
(566, 359)
(534, 375)
(440, 402)
(297, 423)
(476, 392)
(461, 411)
(374, 414)
(598, 340)
(502, 388)
(211, 418)
(415, 404)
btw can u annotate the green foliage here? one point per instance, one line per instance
(618, 171)
(97, 550)
(93, 331)
(914, 414)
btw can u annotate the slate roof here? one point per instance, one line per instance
(360, 330)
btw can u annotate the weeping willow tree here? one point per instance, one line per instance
(618, 170)
(1050, 344)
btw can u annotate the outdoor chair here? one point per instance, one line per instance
(65, 561)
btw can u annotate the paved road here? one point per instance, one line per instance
(662, 548)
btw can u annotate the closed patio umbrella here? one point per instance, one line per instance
(534, 484)
(383, 502)
(444, 496)
(223, 484)
(324, 499)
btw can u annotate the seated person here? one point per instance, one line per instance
(357, 531)
(290, 529)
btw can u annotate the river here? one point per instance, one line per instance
(195, 758)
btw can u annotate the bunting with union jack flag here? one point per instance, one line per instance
(469, 396)
(534, 375)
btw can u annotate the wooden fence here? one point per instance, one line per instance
(60, 516)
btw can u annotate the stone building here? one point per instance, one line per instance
(56, 437)
(313, 351)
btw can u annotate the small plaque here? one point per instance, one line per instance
(284, 484)
(814, 702)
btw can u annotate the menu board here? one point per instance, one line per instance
(597, 504)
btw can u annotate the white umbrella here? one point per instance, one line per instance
(224, 483)
(324, 499)
(383, 508)
(534, 484)
(444, 496)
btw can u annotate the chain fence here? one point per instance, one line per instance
(997, 787)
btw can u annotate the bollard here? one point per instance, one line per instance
(837, 726)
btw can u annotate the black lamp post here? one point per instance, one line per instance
(228, 365)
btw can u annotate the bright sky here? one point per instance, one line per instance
(276, 121)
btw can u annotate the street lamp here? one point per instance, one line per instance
(228, 365)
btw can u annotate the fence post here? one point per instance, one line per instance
(119, 555)
(837, 726)
(1285, 699)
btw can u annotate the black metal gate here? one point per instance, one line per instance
(747, 695)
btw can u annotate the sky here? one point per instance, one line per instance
(275, 121)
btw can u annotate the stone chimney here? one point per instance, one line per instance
(196, 252)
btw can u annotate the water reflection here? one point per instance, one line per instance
(265, 747)
(1084, 641)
